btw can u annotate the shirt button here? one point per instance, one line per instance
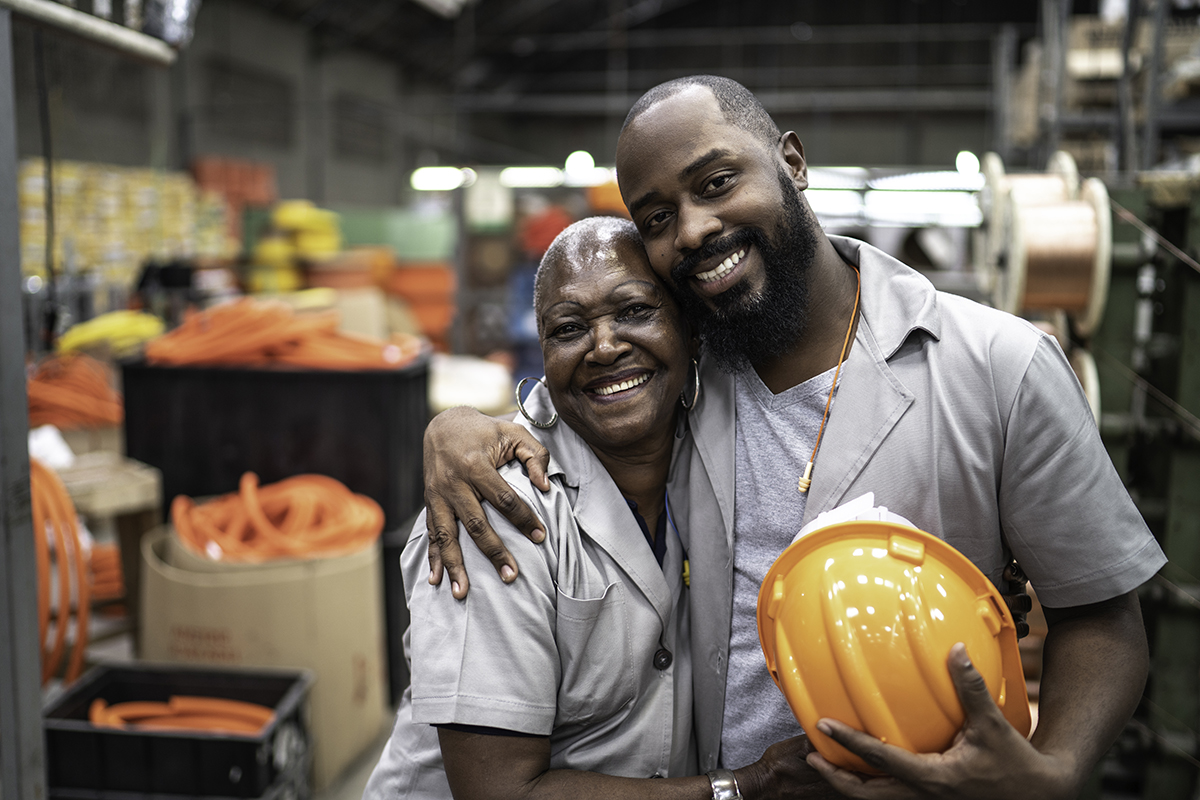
(663, 658)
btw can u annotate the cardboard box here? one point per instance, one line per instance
(324, 615)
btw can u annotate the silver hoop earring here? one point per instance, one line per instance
(525, 413)
(695, 391)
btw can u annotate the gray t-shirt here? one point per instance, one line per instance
(775, 435)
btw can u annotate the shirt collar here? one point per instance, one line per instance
(896, 299)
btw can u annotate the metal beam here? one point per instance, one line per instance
(776, 102)
(94, 29)
(797, 35)
(22, 755)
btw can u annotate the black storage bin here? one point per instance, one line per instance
(205, 426)
(85, 761)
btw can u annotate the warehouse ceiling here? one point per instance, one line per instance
(590, 57)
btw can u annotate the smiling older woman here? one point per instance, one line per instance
(575, 680)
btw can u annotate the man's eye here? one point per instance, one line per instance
(718, 182)
(655, 219)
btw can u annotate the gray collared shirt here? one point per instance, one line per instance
(573, 650)
(967, 421)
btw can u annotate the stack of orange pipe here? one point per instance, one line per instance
(306, 516)
(54, 519)
(183, 713)
(72, 390)
(259, 332)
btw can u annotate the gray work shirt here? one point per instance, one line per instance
(967, 421)
(589, 645)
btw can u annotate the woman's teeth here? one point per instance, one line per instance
(722, 269)
(623, 385)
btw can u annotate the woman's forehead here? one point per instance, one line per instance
(591, 273)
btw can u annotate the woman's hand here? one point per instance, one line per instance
(463, 450)
(783, 772)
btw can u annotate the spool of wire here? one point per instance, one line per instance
(1059, 255)
(1059, 184)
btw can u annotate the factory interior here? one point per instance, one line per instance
(249, 249)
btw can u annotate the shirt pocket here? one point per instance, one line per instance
(594, 655)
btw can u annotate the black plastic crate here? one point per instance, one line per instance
(205, 426)
(84, 760)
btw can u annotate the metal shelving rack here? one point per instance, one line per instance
(22, 754)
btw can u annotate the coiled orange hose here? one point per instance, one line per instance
(305, 516)
(72, 390)
(54, 518)
(260, 332)
(183, 712)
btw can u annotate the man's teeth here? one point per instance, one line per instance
(722, 269)
(623, 385)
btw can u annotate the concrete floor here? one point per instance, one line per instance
(352, 782)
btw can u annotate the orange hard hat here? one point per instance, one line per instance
(856, 621)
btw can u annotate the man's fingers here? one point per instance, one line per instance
(438, 515)
(536, 459)
(450, 555)
(885, 758)
(972, 690)
(500, 494)
(852, 784)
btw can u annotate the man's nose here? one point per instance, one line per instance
(695, 225)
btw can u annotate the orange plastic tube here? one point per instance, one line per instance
(257, 332)
(54, 518)
(304, 516)
(183, 712)
(72, 390)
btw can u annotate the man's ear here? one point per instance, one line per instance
(791, 150)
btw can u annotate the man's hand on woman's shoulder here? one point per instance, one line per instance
(463, 450)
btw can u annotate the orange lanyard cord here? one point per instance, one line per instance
(806, 480)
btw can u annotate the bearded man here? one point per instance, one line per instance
(844, 372)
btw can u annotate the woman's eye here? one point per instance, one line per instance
(566, 330)
(636, 310)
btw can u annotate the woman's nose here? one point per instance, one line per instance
(694, 226)
(607, 344)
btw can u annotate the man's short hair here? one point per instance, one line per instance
(738, 104)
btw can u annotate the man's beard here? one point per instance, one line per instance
(748, 327)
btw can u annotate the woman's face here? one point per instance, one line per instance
(613, 342)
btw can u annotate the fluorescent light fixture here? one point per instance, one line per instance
(935, 181)
(948, 209)
(596, 176)
(835, 202)
(967, 162)
(531, 177)
(447, 9)
(837, 177)
(580, 162)
(441, 179)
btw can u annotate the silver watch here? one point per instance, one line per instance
(724, 785)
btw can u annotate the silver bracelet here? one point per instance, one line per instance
(724, 785)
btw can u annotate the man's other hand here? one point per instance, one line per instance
(463, 449)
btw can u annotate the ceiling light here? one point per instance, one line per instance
(967, 162)
(531, 177)
(441, 179)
